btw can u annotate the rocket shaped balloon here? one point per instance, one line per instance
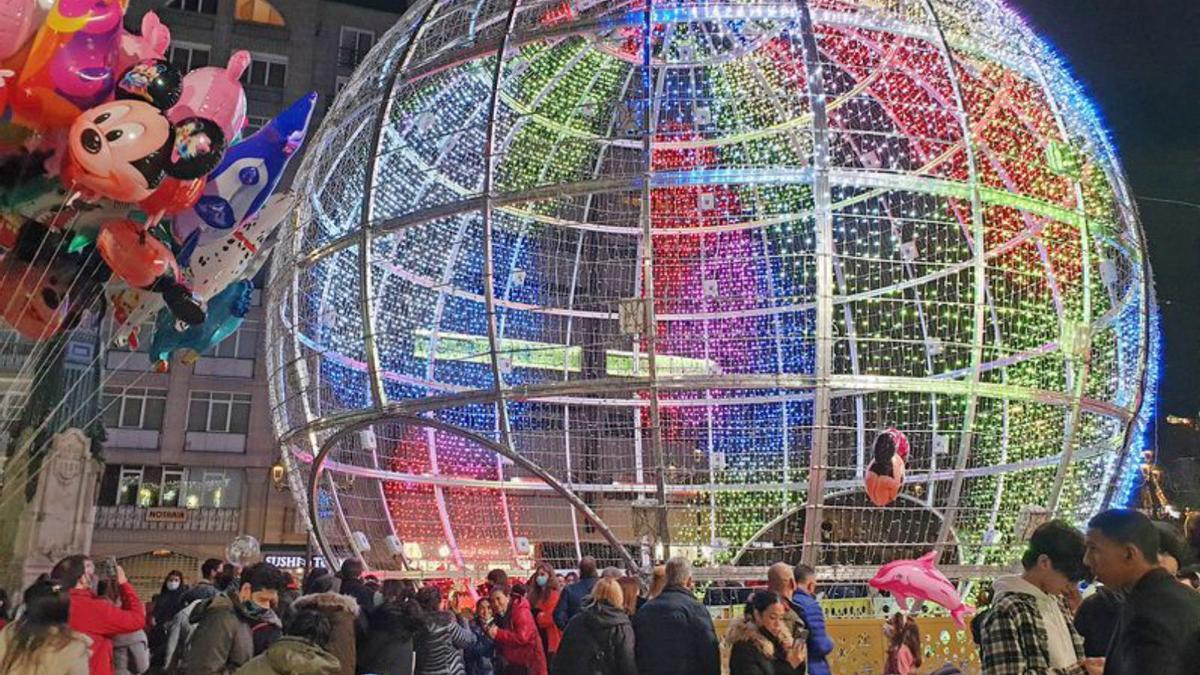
(248, 174)
(212, 267)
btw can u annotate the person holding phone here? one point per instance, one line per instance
(94, 616)
(761, 643)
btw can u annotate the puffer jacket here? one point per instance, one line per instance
(598, 641)
(754, 651)
(228, 633)
(70, 659)
(342, 612)
(440, 645)
(518, 642)
(291, 655)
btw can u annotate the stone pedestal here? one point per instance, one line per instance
(59, 520)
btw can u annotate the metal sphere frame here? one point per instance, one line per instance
(314, 374)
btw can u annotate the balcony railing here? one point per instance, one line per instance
(207, 519)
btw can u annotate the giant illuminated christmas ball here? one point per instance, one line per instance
(581, 276)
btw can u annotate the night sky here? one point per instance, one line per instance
(1140, 59)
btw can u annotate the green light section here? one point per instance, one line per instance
(545, 356)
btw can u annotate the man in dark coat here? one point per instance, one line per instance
(573, 596)
(674, 633)
(1158, 631)
(235, 626)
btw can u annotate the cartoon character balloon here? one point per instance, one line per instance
(226, 312)
(43, 289)
(215, 94)
(885, 476)
(122, 150)
(921, 580)
(239, 187)
(19, 20)
(144, 262)
(72, 64)
(212, 267)
(151, 44)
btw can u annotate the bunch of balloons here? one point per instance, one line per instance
(125, 183)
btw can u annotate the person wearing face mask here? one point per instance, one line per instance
(94, 616)
(167, 604)
(543, 595)
(237, 625)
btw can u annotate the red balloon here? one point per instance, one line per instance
(134, 255)
(172, 196)
(883, 489)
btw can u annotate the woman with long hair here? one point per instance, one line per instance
(40, 641)
(543, 594)
(599, 639)
(167, 604)
(631, 592)
(761, 643)
(904, 645)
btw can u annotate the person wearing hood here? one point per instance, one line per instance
(440, 643)
(761, 643)
(1029, 628)
(95, 616)
(40, 641)
(516, 635)
(235, 626)
(342, 612)
(301, 650)
(387, 648)
(598, 640)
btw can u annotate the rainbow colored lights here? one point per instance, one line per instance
(838, 216)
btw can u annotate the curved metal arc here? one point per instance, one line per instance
(380, 417)
(844, 493)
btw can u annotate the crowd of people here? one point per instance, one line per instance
(1144, 620)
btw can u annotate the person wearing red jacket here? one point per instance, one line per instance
(94, 616)
(543, 595)
(516, 634)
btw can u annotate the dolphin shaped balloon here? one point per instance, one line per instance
(248, 174)
(920, 579)
(226, 312)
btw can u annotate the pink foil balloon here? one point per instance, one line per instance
(151, 44)
(19, 20)
(215, 94)
(921, 580)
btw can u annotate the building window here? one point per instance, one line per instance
(172, 487)
(266, 70)
(188, 56)
(253, 124)
(353, 45)
(219, 412)
(134, 408)
(129, 483)
(241, 345)
(258, 11)
(212, 488)
(197, 6)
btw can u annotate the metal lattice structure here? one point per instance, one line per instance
(837, 216)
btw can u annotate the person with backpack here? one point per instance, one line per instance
(598, 640)
(235, 626)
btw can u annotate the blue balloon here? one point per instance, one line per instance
(244, 179)
(226, 311)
